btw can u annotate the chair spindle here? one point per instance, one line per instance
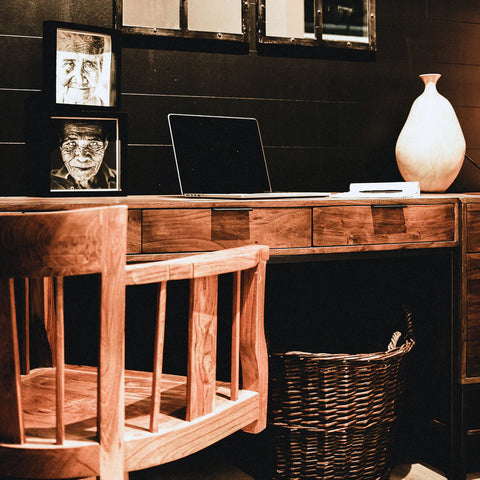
(235, 359)
(59, 361)
(11, 415)
(158, 356)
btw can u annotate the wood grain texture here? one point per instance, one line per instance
(102, 421)
(202, 346)
(253, 350)
(11, 419)
(196, 266)
(110, 414)
(158, 355)
(134, 231)
(175, 438)
(59, 361)
(472, 327)
(197, 230)
(473, 229)
(369, 225)
(55, 244)
(48, 248)
(235, 349)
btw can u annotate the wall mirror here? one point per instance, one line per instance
(218, 19)
(339, 23)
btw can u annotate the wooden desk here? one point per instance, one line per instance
(171, 226)
(162, 227)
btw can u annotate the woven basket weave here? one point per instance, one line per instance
(333, 415)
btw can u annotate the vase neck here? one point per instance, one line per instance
(430, 80)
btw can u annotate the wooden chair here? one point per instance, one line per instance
(69, 421)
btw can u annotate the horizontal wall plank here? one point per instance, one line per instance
(468, 180)
(13, 162)
(14, 105)
(458, 11)
(400, 8)
(21, 60)
(151, 171)
(328, 169)
(281, 122)
(372, 126)
(217, 74)
(469, 119)
(418, 40)
(26, 17)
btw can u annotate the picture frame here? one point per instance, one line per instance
(81, 66)
(80, 155)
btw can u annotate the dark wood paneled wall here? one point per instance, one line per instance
(327, 120)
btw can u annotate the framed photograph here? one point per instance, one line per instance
(84, 155)
(81, 65)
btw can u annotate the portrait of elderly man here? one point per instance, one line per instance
(83, 68)
(82, 146)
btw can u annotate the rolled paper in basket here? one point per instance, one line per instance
(393, 342)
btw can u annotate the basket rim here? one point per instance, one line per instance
(370, 356)
(349, 428)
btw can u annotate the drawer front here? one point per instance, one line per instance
(473, 228)
(134, 231)
(472, 328)
(359, 224)
(189, 230)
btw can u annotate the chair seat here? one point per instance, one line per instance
(175, 438)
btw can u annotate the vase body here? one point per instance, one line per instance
(431, 147)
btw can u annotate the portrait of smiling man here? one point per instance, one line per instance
(82, 146)
(83, 68)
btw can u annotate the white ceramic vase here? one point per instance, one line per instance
(431, 147)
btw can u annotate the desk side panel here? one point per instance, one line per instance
(473, 316)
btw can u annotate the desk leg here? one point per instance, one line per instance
(42, 317)
(457, 470)
(458, 435)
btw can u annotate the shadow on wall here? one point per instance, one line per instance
(468, 180)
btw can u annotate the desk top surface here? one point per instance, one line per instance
(164, 201)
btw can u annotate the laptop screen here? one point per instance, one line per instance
(218, 154)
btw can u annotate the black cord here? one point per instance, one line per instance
(472, 162)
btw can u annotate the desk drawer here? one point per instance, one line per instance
(473, 228)
(472, 331)
(359, 224)
(189, 230)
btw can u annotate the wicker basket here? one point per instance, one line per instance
(333, 415)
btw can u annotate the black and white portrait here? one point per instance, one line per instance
(83, 68)
(85, 154)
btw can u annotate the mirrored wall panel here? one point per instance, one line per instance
(346, 20)
(342, 23)
(220, 16)
(216, 19)
(152, 14)
(289, 18)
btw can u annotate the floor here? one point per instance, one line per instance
(418, 471)
(208, 467)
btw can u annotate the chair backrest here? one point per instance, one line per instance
(248, 345)
(56, 245)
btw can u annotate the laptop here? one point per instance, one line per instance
(222, 157)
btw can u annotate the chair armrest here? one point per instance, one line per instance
(195, 266)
